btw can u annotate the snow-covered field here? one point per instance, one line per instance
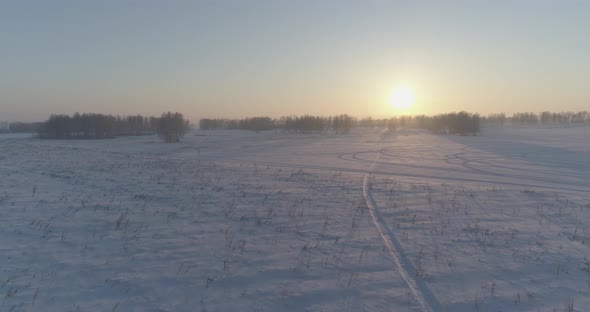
(239, 221)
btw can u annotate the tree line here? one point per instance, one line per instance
(170, 126)
(456, 123)
(462, 123)
(291, 124)
(98, 126)
(543, 118)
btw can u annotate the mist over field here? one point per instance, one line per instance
(267, 156)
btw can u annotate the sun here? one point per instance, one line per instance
(402, 97)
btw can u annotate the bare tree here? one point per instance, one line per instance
(172, 127)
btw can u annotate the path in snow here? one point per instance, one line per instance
(418, 288)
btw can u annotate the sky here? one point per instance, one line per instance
(232, 59)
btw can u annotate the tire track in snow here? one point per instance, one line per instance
(448, 177)
(421, 293)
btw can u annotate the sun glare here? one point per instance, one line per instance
(402, 97)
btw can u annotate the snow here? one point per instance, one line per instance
(240, 221)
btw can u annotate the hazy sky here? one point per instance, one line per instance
(244, 58)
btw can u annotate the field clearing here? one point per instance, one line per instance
(239, 221)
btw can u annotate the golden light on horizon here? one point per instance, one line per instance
(402, 97)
